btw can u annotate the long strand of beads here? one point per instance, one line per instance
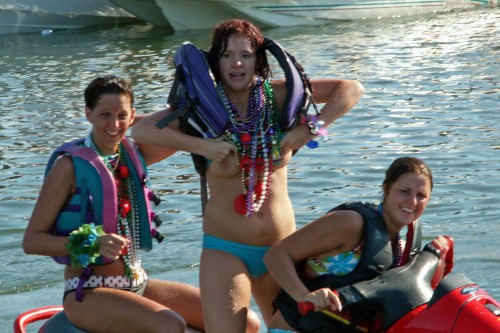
(128, 221)
(127, 207)
(262, 184)
(255, 138)
(124, 206)
(134, 226)
(275, 143)
(397, 248)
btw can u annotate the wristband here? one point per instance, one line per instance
(316, 127)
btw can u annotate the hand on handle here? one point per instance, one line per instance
(322, 299)
(305, 308)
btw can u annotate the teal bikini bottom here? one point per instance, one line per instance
(252, 256)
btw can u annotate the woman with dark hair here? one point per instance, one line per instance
(344, 246)
(249, 209)
(94, 216)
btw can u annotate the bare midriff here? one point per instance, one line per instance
(274, 221)
(117, 267)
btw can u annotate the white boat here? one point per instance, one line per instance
(146, 10)
(17, 16)
(205, 14)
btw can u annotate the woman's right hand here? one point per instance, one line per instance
(112, 246)
(217, 149)
(324, 299)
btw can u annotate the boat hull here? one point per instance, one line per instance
(205, 14)
(35, 16)
(146, 10)
(195, 14)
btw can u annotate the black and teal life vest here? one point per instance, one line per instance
(376, 258)
(95, 198)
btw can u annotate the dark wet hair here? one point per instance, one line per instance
(109, 84)
(221, 34)
(404, 165)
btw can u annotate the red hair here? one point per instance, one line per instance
(220, 36)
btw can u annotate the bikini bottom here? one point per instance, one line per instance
(252, 256)
(122, 282)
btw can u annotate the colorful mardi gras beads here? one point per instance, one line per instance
(256, 144)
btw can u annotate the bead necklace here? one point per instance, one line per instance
(256, 139)
(397, 245)
(127, 207)
(111, 161)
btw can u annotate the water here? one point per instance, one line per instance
(432, 91)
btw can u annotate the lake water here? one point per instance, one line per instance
(432, 91)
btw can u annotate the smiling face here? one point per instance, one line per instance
(405, 200)
(407, 189)
(237, 64)
(111, 117)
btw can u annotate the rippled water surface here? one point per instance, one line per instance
(432, 91)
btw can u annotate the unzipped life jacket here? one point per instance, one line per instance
(95, 198)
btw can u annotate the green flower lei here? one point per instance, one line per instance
(83, 245)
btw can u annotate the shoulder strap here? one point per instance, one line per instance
(298, 87)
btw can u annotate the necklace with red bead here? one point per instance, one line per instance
(127, 223)
(256, 138)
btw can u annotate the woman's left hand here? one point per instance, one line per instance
(112, 245)
(296, 138)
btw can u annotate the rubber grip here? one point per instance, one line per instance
(305, 307)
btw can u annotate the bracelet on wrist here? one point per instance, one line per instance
(83, 245)
(316, 128)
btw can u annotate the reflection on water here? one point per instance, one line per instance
(432, 90)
